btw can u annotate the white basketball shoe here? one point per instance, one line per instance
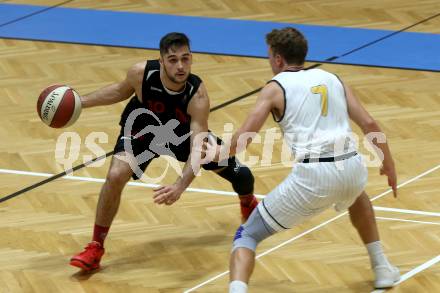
(386, 276)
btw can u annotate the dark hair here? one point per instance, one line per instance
(289, 43)
(173, 40)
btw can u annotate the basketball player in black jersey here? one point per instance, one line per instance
(165, 92)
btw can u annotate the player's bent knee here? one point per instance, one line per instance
(240, 177)
(118, 176)
(250, 234)
(243, 240)
(245, 181)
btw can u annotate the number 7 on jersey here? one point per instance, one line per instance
(322, 91)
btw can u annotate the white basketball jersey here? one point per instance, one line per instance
(315, 120)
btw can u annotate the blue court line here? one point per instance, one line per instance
(218, 36)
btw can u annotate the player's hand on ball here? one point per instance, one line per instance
(59, 106)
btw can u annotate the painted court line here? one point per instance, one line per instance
(403, 211)
(408, 182)
(403, 278)
(414, 271)
(131, 183)
(314, 228)
(409, 221)
(270, 250)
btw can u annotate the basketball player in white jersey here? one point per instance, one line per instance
(313, 108)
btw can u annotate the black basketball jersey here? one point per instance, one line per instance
(165, 104)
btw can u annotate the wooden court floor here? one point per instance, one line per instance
(180, 248)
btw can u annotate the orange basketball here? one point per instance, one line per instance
(59, 106)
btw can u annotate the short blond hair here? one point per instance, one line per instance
(289, 43)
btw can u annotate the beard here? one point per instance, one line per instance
(174, 78)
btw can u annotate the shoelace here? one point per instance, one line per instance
(87, 248)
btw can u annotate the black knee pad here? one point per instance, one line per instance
(240, 177)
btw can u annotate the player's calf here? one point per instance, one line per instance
(247, 204)
(242, 182)
(246, 240)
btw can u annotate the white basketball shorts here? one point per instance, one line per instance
(311, 188)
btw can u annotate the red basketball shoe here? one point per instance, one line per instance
(88, 259)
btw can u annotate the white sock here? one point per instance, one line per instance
(377, 257)
(238, 287)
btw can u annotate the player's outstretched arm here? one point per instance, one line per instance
(198, 109)
(270, 98)
(367, 124)
(116, 92)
